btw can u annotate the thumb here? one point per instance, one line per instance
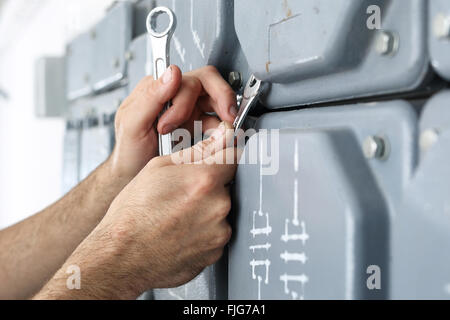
(149, 98)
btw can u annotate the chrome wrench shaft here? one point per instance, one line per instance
(252, 92)
(160, 43)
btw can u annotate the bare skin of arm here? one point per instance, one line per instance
(33, 250)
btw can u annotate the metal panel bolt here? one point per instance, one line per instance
(375, 147)
(86, 78)
(428, 138)
(386, 43)
(129, 55)
(441, 26)
(235, 80)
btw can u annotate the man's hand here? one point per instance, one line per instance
(161, 231)
(193, 95)
(48, 238)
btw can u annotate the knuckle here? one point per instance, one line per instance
(180, 114)
(156, 162)
(205, 183)
(151, 88)
(175, 220)
(193, 84)
(145, 84)
(224, 207)
(230, 94)
(222, 237)
(210, 69)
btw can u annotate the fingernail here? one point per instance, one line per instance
(233, 111)
(168, 128)
(167, 76)
(219, 132)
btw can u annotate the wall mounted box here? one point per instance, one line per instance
(50, 79)
(315, 228)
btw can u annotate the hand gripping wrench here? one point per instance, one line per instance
(160, 42)
(252, 92)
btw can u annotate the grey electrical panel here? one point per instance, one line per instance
(318, 222)
(96, 59)
(439, 36)
(421, 230)
(97, 135)
(138, 66)
(50, 91)
(71, 155)
(112, 38)
(316, 51)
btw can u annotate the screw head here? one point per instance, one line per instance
(386, 43)
(93, 34)
(235, 80)
(441, 26)
(375, 147)
(129, 55)
(428, 138)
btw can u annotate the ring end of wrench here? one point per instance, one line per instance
(151, 22)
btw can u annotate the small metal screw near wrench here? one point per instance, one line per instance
(160, 42)
(252, 92)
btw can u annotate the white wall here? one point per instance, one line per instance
(30, 148)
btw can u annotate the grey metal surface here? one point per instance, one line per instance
(208, 285)
(439, 36)
(138, 66)
(71, 156)
(50, 87)
(205, 33)
(80, 56)
(97, 136)
(333, 204)
(421, 230)
(96, 59)
(112, 39)
(316, 51)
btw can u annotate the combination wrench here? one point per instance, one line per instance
(160, 43)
